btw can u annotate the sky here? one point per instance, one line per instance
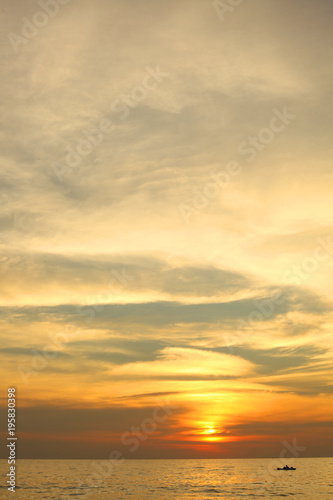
(166, 227)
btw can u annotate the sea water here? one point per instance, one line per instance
(169, 479)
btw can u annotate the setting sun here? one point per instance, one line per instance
(210, 431)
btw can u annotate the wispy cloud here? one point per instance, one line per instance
(105, 289)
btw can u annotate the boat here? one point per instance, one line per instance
(286, 468)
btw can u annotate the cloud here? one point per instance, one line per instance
(184, 362)
(113, 420)
(274, 428)
(275, 360)
(104, 247)
(30, 351)
(111, 276)
(163, 313)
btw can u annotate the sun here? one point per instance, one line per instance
(210, 434)
(210, 430)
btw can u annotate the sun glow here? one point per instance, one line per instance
(210, 430)
(210, 433)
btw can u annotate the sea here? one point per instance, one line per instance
(169, 479)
